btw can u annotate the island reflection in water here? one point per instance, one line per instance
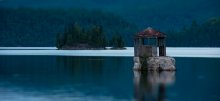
(151, 85)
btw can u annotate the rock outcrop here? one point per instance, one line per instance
(161, 63)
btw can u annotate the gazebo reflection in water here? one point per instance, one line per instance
(151, 85)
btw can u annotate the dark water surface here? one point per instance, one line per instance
(51, 78)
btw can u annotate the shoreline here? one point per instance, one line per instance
(107, 48)
(54, 48)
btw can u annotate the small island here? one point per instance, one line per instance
(77, 38)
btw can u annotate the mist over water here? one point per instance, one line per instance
(129, 52)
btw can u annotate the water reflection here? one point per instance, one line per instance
(81, 67)
(151, 86)
(65, 78)
(50, 78)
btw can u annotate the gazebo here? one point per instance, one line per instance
(147, 41)
(146, 57)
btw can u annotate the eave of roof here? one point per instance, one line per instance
(150, 33)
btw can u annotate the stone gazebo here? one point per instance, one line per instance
(146, 57)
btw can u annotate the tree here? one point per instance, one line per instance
(117, 41)
(59, 41)
(97, 38)
(75, 32)
(120, 42)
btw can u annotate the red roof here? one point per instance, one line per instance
(150, 32)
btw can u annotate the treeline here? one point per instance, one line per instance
(206, 34)
(77, 37)
(38, 27)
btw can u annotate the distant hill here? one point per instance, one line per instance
(160, 14)
(38, 27)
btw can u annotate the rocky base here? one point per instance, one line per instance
(161, 63)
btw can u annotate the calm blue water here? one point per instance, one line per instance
(56, 78)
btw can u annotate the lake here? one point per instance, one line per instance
(69, 78)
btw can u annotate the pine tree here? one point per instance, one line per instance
(59, 41)
(120, 42)
(97, 38)
(117, 41)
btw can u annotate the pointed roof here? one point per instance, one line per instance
(149, 33)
